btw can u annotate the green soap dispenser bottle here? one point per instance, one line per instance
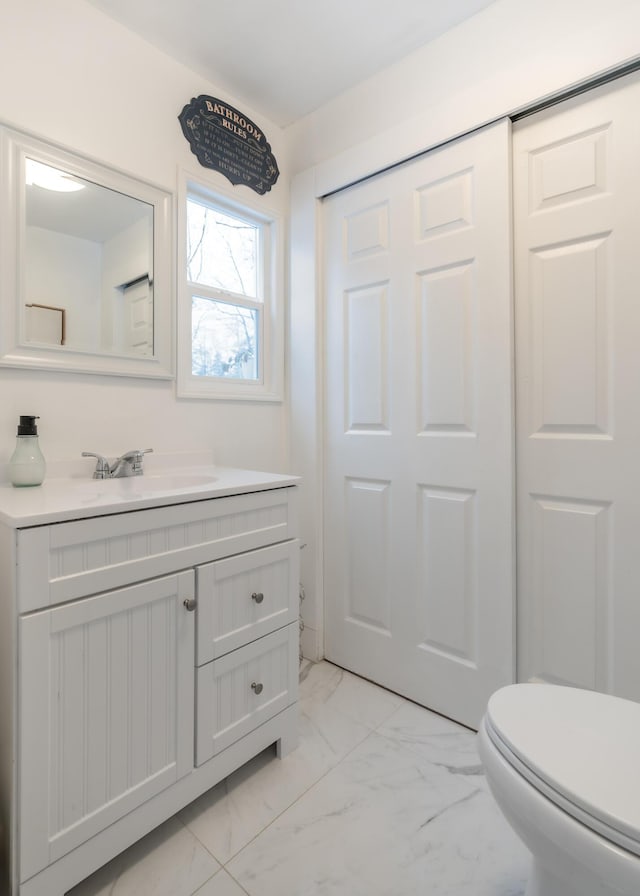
(27, 466)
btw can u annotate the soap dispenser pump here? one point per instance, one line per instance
(27, 465)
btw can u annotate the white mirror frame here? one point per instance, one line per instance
(14, 350)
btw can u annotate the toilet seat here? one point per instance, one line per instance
(581, 749)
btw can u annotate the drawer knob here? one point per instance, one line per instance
(258, 596)
(256, 687)
(189, 604)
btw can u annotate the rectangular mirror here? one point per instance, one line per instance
(86, 264)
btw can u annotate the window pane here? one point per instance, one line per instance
(222, 251)
(224, 340)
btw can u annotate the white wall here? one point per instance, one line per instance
(72, 76)
(64, 271)
(495, 63)
(508, 56)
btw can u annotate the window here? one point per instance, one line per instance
(230, 342)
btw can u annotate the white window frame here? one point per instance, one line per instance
(269, 386)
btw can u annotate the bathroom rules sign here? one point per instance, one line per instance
(224, 139)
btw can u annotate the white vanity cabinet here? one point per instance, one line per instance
(155, 651)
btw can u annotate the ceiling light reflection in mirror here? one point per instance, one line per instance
(40, 175)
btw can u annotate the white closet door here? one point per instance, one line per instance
(419, 467)
(138, 318)
(577, 241)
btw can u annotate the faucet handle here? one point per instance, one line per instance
(134, 457)
(102, 470)
(137, 460)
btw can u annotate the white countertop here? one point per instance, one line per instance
(78, 497)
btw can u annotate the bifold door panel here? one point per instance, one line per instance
(419, 426)
(576, 189)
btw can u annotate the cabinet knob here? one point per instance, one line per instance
(189, 604)
(256, 687)
(258, 596)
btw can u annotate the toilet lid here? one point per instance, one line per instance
(584, 747)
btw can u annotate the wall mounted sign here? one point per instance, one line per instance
(227, 141)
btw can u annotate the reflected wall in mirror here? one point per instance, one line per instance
(91, 254)
(85, 248)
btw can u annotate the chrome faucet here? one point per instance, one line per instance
(128, 464)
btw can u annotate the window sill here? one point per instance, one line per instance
(204, 388)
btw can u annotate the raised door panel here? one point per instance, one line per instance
(570, 311)
(366, 359)
(366, 232)
(570, 622)
(445, 349)
(108, 683)
(365, 598)
(245, 597)
(447, 579)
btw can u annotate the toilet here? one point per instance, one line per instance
(564, 767)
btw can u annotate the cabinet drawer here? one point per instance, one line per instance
(245, 597)
(65, 561)
(243, 689)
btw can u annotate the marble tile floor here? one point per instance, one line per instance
(381, 798)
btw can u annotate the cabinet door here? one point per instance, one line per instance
(245, 597)
(106, 711)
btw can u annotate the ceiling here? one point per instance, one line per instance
(94, 213)
(285, 58)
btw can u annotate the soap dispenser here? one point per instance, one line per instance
(27, 465)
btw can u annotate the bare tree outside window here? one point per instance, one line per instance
(223, 267)
(224, 339)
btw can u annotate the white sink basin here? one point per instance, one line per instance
(162, 482)
(140, 486)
